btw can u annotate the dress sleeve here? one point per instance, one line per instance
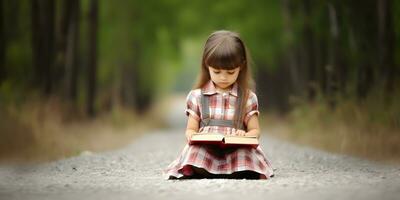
(251, 107)
(192, 105)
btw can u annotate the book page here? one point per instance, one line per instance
(207, 137)
(241, 140)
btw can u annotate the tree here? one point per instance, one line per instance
(43, 43)
(2, 45)
(68, 48)
(92, 61)
(386, 41)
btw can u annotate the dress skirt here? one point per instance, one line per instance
(218, 160)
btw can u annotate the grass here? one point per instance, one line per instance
(368, 129)
(44, 130)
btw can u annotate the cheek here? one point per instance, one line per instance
(236, 76)
(212, 75)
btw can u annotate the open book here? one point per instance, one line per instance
(217, 138)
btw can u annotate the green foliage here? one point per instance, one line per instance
(145, 47)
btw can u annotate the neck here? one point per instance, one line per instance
(223, 89)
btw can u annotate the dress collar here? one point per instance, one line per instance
(209, 89)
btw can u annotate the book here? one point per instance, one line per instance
(224, 140)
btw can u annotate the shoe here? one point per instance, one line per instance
(187, 170)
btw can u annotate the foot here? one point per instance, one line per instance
(187, 170)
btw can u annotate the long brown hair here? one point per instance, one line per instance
(226, 50)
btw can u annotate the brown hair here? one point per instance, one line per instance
(226, 50)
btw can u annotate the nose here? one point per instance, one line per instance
(223, 77)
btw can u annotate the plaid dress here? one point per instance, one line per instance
(213, 159)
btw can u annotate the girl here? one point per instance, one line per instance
(222, 102)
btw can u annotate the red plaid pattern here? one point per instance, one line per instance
(240, 159)
(222, 106)
(212, 158)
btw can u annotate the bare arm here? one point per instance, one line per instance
(192, 127)
(253, 128)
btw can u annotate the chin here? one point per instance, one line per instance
(225, 86)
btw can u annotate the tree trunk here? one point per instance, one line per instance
(364, 20)
(43, 43)
(92, 57)
(386, 41)
(37, 57)
(72, 51)
(61, 45)
(2, 45)
(320, 61)
(291, 62)
(341, 69)
(48, 40)
(308, 44)
(331, 68)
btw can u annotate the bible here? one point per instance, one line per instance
(224, 140)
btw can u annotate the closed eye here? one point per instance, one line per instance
(231, 72)
(216, 72)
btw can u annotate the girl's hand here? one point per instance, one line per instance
(240, 133)
(189, 134)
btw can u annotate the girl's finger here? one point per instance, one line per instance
(241, 133)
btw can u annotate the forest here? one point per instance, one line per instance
(328, 71)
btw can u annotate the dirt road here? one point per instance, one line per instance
(136, 171)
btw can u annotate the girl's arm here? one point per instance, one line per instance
(192, 127)
(253, 128)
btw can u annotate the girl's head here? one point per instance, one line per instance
(225, 51)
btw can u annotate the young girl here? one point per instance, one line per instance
(222, 102)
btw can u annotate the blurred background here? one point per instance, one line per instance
(89, 75)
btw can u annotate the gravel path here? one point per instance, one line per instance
(135, 171)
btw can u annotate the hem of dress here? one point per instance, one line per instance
(178, 175)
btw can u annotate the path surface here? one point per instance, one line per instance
(136, 171)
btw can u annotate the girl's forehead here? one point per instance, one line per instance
(222, 68)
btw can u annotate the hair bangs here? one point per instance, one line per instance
(225, 57)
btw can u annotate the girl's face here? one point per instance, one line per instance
(222, 78)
